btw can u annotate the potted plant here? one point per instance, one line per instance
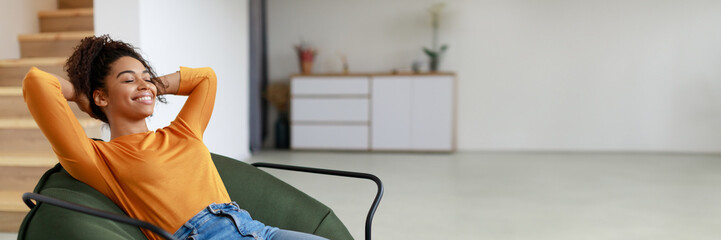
(306, 55)
(435, 52)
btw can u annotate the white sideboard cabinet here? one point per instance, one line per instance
(374, 112)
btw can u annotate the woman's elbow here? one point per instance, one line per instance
(32, 80)
(209, 73)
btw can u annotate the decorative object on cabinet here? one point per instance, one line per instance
(434, 53)
(374, 112)
(344, 62)
(416, 66)
(306, 55)
(278, 94)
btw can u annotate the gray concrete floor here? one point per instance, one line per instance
(518, 195)
(521, 195)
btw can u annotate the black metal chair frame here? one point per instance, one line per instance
(27, 197)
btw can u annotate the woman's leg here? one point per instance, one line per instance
(228, 221)
(282, 234)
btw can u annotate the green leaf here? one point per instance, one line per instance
(430, 53)
(443, 48)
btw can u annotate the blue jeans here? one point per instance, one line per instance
(228, 221)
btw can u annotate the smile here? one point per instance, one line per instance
(144, 99)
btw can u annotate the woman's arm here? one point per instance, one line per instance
(66, 87)
(46, 97)
(69, 94)
(199, 84)
(172, 83)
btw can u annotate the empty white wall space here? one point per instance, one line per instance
(19, 17)
(560, 75)
(188, 33)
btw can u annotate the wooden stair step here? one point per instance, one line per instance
(29, 123)
(67, 12)
(10, 221)
(20, 171)
(11, 201)
(59, 44)
(23, 139)
(29, 62)
(23, 135)
(65, 4)
(19, 178)
(12, 71)
(63, 20)
(12, 104)
(40, 37)
(11, 91)
(28, 159)
(12, 210)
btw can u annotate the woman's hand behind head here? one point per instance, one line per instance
(84, 104)
(69, 93)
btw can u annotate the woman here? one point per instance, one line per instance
(165, 176)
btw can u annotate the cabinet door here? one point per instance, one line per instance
(432, 113)
(391, 113)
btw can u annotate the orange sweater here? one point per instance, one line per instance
(164, 177)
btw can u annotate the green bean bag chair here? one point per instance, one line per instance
(267, 198)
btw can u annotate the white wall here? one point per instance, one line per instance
(537, 75)
(19, 17)
(194, 34)
(121, 20)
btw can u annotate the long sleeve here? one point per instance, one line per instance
(75, 151)
(199, 84)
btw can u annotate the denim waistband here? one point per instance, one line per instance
(203, 216)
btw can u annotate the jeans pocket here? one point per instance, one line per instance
(243, 223)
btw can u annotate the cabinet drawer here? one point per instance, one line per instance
(337, 137)
(330, 109)
(329, 86)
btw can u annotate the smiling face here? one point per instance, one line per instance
(129, 94)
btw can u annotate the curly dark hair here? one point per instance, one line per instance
(90, 64)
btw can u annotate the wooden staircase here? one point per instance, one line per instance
(25, 153)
